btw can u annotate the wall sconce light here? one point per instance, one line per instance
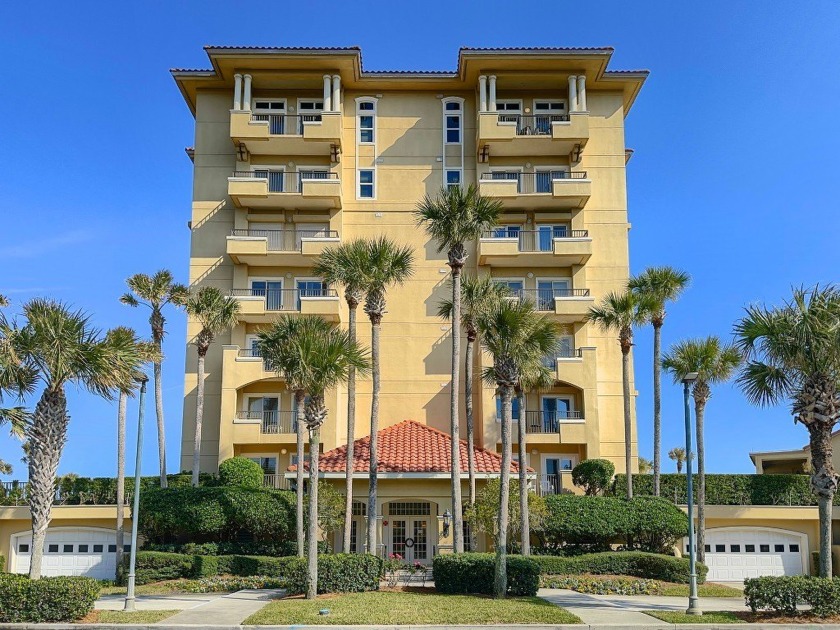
(447, 521)
(527, 165)
(530, 274)
(283, 451)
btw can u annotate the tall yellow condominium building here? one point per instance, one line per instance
(300, 149)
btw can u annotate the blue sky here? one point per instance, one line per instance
(735, 136)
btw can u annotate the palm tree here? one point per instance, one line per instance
(384, 264)
(677, 454)
(645, 466)
(56, 346)
(661, 285)
(281, 354)
(327, 356)
(620, 313)
(454, 218)
(714, 362)
(477, 295)
(514, 334)
(793, 353)
(339, 265)
(217, 314)
(16, 417)
(155, 292)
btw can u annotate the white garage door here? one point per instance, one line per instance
(735, 554)
(70, 551)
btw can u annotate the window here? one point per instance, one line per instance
(507, 231)
(543, 180)
(273, 112)
(453, 178)
(310, 111)
(68, 549)
(749, 548)
(545, 113)
(720, 548)
(410, 508)
(509, 110)
(556, 465)
(271, 290)
(366, 183)
(515, 414)
(735, 548)
(268, 464)
(516, 287)
(126, 548)
(555, 409)
(112, 549)
(546, 235)
(779, 548)
(452, 122)
(84, 548)
(708, 548)
(23, 548)
(52, 548)
(267, 410)
(794, 548)
(764, 548)
(366, 115)
(359, 508)
(547, 290)
(98, 548)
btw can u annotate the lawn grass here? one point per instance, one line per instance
(707, 617)
(709, 589)
(410, 606)
(121, 616)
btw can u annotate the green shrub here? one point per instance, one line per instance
(723, 489)
(220, 584)
(634, 563)
(596, 523)
(241, 471)
(259, 565)
(475, 573)
(619, 585)
(228, 548)
(156, 566)
(206, 566)
(2, 563)
(337, 573)
(593, 475)
(48, 600)
(781, 594)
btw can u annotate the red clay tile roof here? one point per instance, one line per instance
(409, 447)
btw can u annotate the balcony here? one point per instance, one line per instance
(262, 306)
(279, 248)
(287, 134)
(570, 306)
(243, 366)
(279, 190)
(555, 427)
(575, 367)
(534, 248)
(546, 190)
(264, 427)
(278, 482)
(560, 483)
(532, 134)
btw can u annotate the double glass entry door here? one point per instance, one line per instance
(410, 538)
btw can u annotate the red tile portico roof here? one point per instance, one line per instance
(409, 447)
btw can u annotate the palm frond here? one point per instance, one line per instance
(216, 312)
(714, 361)
(660, 285)
(457, 215)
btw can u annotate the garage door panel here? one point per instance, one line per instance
(72, 553)
(733, 555)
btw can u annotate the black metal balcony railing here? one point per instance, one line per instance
(284, 299)
(286, 182)
(286, 240)
(548, 421)
(271, 422)
(533, 124)
(286, 124)
(544, 298)
(536, 240)
(549, 484)
(528, 183)
(550, 361)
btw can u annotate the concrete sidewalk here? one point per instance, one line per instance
(227, 610)
(180, 601)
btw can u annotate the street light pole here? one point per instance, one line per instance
(129, 596)
(693, 600)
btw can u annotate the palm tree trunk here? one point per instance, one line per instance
(199, 418)
(161, 431)
(657, 406)
(312, 538)
(121, 410)
(454, 410)
(824, 484)
(628, 427)
(351, 433)
(46, 437)
(300, 398)
(524, 516)
(699, 411)
(500, 581)
(374, 441)
(468, 393)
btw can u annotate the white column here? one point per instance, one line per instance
(237, 91)
(336, 93)
(492, 93)
(482, 93)
(327, 93)
(581, 85)
(246, 100)
(573, 100)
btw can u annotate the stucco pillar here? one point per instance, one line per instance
(581, 85)
(492, 93)
(327, 92)
(237, 91)
(336, 94)
(482, 93)
(573, 99)
(246, 99)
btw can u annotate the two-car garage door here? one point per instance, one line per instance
(70, 551)
(733, 554)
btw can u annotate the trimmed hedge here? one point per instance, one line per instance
(475, 573)
(618, 585)
(781, 594)
(241, 471)
(228, 548)
(596, 523)
(156, 566)
(48, 600)
(722, 489)
(651, 566)
(2, 563)
(337, 573)
(217, 514)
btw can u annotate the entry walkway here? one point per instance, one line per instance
(228, 610)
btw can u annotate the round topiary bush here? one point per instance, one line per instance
(240, 471)
(593, 475)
